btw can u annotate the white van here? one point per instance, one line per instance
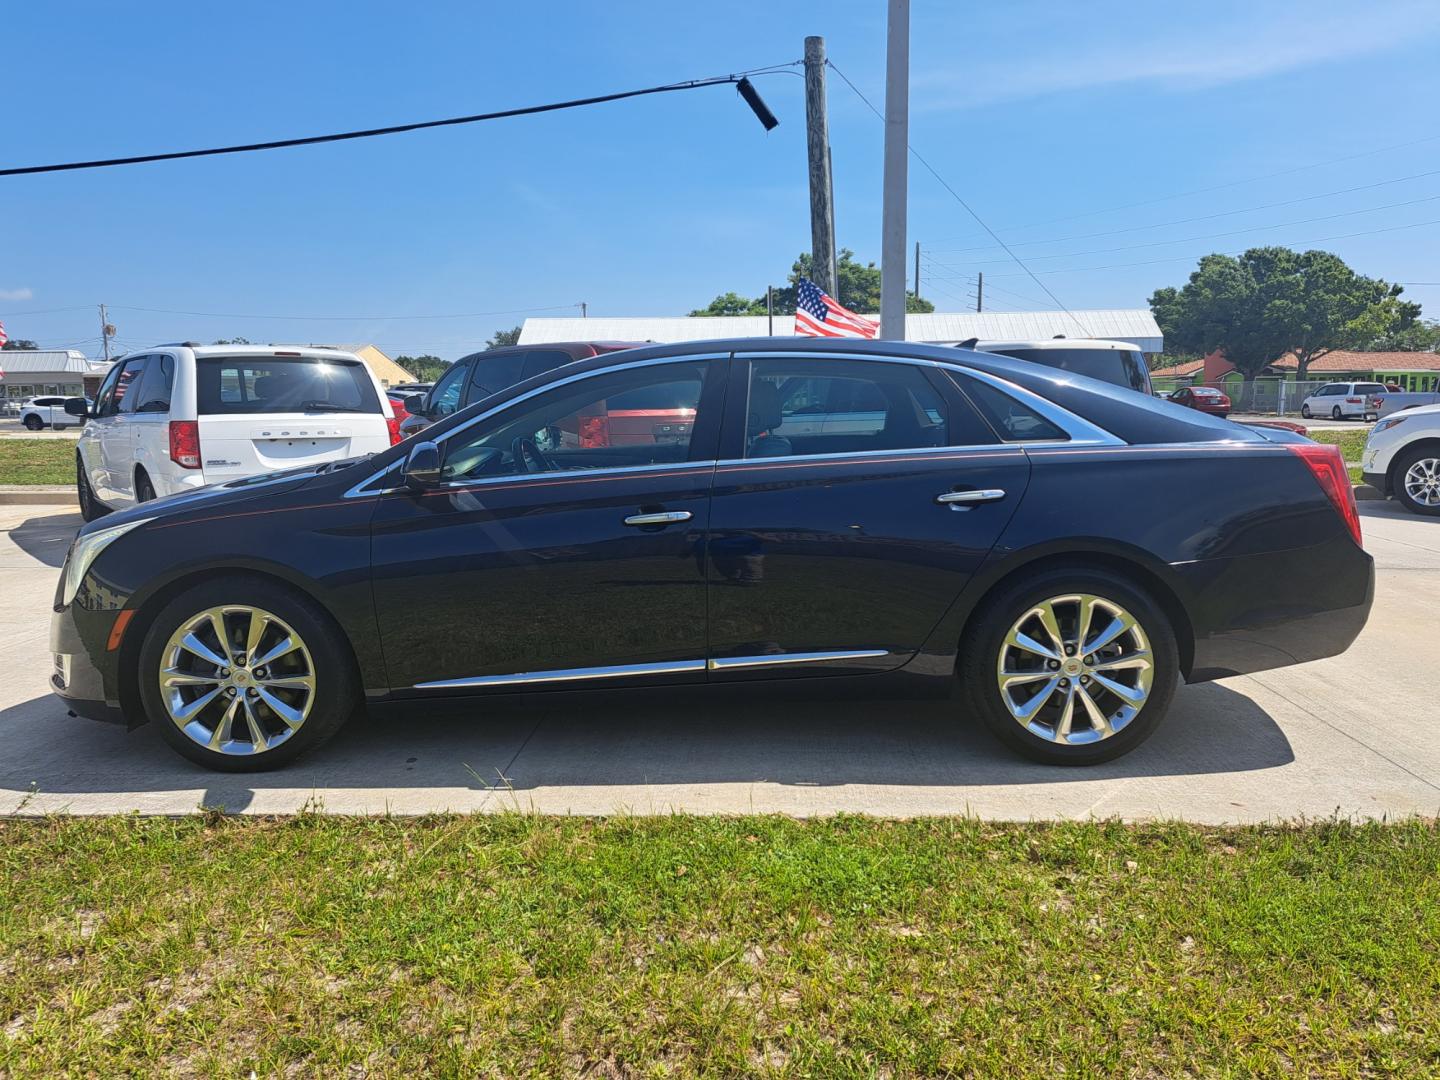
(178, 417)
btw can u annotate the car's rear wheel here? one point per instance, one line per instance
(1073, 666)
(1417, 480)
(90, 507)
(242, 674)
(144, 489)
(34, 423)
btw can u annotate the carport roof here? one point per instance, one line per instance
(48, 362)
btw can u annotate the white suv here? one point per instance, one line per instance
(178, 417)
(38, 413)
(1402, 458)
(1341, 400)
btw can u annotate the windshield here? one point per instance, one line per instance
(282, 384)
(1118, 366)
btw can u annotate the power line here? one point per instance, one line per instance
(1200, 217)
(1239, 251)
(395, 129)
(342, 318)
(1221, 187)
(956, 196)
(1216, 236)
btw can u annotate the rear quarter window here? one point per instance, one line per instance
(282, 384)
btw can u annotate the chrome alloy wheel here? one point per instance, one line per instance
(1075, 669)
(237, 680)
(1422, 481)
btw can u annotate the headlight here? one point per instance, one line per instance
(1386, 425)
(86, 549)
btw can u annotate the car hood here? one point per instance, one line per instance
(218, 495)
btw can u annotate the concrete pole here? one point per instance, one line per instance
(817, 146)
(897, 139)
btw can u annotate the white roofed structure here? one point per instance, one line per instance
(1135, 325)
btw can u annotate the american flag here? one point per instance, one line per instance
(817, 315)
(3, 338)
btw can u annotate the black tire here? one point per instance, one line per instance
(90, 507)
(1335, 413)
(144, 489)
(1305, 412)
(337, 694)
(34, 423)
(1403, 461)
(980, 651)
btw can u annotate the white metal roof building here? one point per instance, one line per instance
(31, 372)
(1135, 325)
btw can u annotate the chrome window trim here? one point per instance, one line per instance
(1080, 431)
(616, 671)
(733, 663)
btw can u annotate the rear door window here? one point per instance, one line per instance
(494, 373)
(1369, 388)
(227, 385)
(539, 361)
(1012, 419)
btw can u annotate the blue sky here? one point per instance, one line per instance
(1109, 142)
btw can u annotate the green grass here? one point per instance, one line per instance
(37, 461)
(1351, 443)
(519, 945)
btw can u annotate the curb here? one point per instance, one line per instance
(39, 495)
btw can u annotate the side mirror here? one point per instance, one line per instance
(76, 406)
(422, 467)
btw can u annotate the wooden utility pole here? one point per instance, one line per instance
(105, 331)
(980, 291)
(584, 310)
(770, 308)
(817, 146)
(917, 269)
(897, 147)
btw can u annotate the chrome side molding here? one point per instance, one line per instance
(731, 663)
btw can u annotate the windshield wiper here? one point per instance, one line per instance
(326, 406)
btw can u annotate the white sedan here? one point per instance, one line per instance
(49, 411)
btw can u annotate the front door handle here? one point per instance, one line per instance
(668, 517)
(978, 495)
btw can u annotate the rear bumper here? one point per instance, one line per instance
(1257, 612)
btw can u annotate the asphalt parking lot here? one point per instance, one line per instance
(1353, 735)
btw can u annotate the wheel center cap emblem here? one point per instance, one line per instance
(241, 677)
(1072, 667)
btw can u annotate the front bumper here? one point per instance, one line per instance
(76, 679)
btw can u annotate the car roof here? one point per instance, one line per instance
(1133, 416)
(1059, 343)
(268, 350)
(578, 350)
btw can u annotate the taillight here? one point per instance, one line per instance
(185, 443)
(1328, 467)
(392, 423)
(1354, 401)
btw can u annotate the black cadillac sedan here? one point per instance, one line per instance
(734, 511)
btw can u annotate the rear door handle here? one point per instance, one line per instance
(668, 517)
(978, 495)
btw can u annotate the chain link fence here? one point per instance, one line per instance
(1263, 396)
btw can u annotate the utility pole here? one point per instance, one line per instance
(584, 310)
(817, 147)
(917, 269)
(106, 332)
(980, 291)
(770, 308)
(897, 140)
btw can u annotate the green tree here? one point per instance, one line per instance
(857, 288)
(233, 341)
(1423, 335)
(501, 338)
(425, 368)
(19, 343)
(1272, 301)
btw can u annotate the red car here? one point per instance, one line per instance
(1204, 398)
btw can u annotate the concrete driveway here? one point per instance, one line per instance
(1354, 735)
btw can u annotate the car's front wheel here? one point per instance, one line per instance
(1072, 666)
(1305, 411)
(1336, 414)
(1417, 480)
(242, 674)
(33, 422)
